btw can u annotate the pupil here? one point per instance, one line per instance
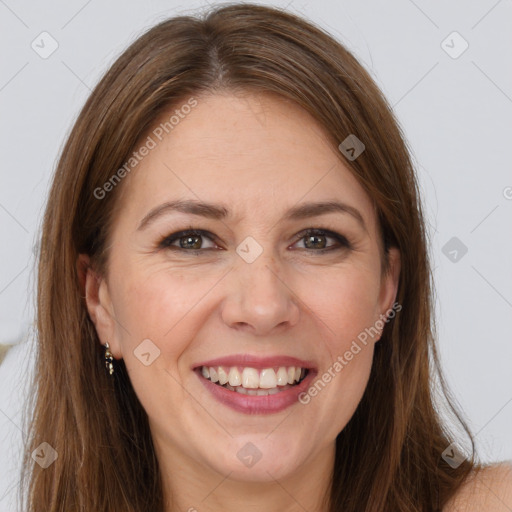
(188, 242)
(315, 239)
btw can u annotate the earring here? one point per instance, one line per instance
(108, 359)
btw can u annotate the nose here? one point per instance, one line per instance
(259, 299)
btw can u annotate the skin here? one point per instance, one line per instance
(488, 490)
(258, 155)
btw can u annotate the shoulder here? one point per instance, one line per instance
(486, 490)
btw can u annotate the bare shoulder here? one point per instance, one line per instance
(488, 490)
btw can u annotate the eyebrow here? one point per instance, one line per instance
(218, 212)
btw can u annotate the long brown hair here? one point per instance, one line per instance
(389, 456)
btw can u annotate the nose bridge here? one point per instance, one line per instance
(259, 297)
(258, 273)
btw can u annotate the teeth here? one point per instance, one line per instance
(213, 374)
(282, 376)
(223, 376)
(235, 378)
(251, 381)
(268, 378)
(250, 378)
(259, 392)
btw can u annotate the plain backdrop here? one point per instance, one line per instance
(444, 66)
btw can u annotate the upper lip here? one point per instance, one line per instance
(257, 362)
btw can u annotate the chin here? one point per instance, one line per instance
(258, 459)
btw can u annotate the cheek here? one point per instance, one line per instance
(157, 305)
(162, 308)
(344, 308)
(140, 303)
(345, 302)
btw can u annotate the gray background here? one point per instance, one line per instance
(456, 111)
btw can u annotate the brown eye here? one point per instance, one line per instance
(318, 239)
(315, 242)
(190, 240)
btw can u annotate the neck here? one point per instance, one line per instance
(191, 487)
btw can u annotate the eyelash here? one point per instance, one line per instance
(165, 242)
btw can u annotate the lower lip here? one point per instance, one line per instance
(249, 404)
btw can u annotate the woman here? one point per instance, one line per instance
(234, 298)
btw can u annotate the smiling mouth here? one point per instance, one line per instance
(253, 381)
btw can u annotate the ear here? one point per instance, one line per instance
(94, 288)
(389, 283)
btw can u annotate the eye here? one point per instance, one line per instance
(317, 239)
(314, 240)
(190, 240)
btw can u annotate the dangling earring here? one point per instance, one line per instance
(108, 359)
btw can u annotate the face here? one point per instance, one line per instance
(261, 280)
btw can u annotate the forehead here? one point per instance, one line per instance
(250, 152)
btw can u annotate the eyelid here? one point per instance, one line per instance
(166, 241)
(341, 239)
